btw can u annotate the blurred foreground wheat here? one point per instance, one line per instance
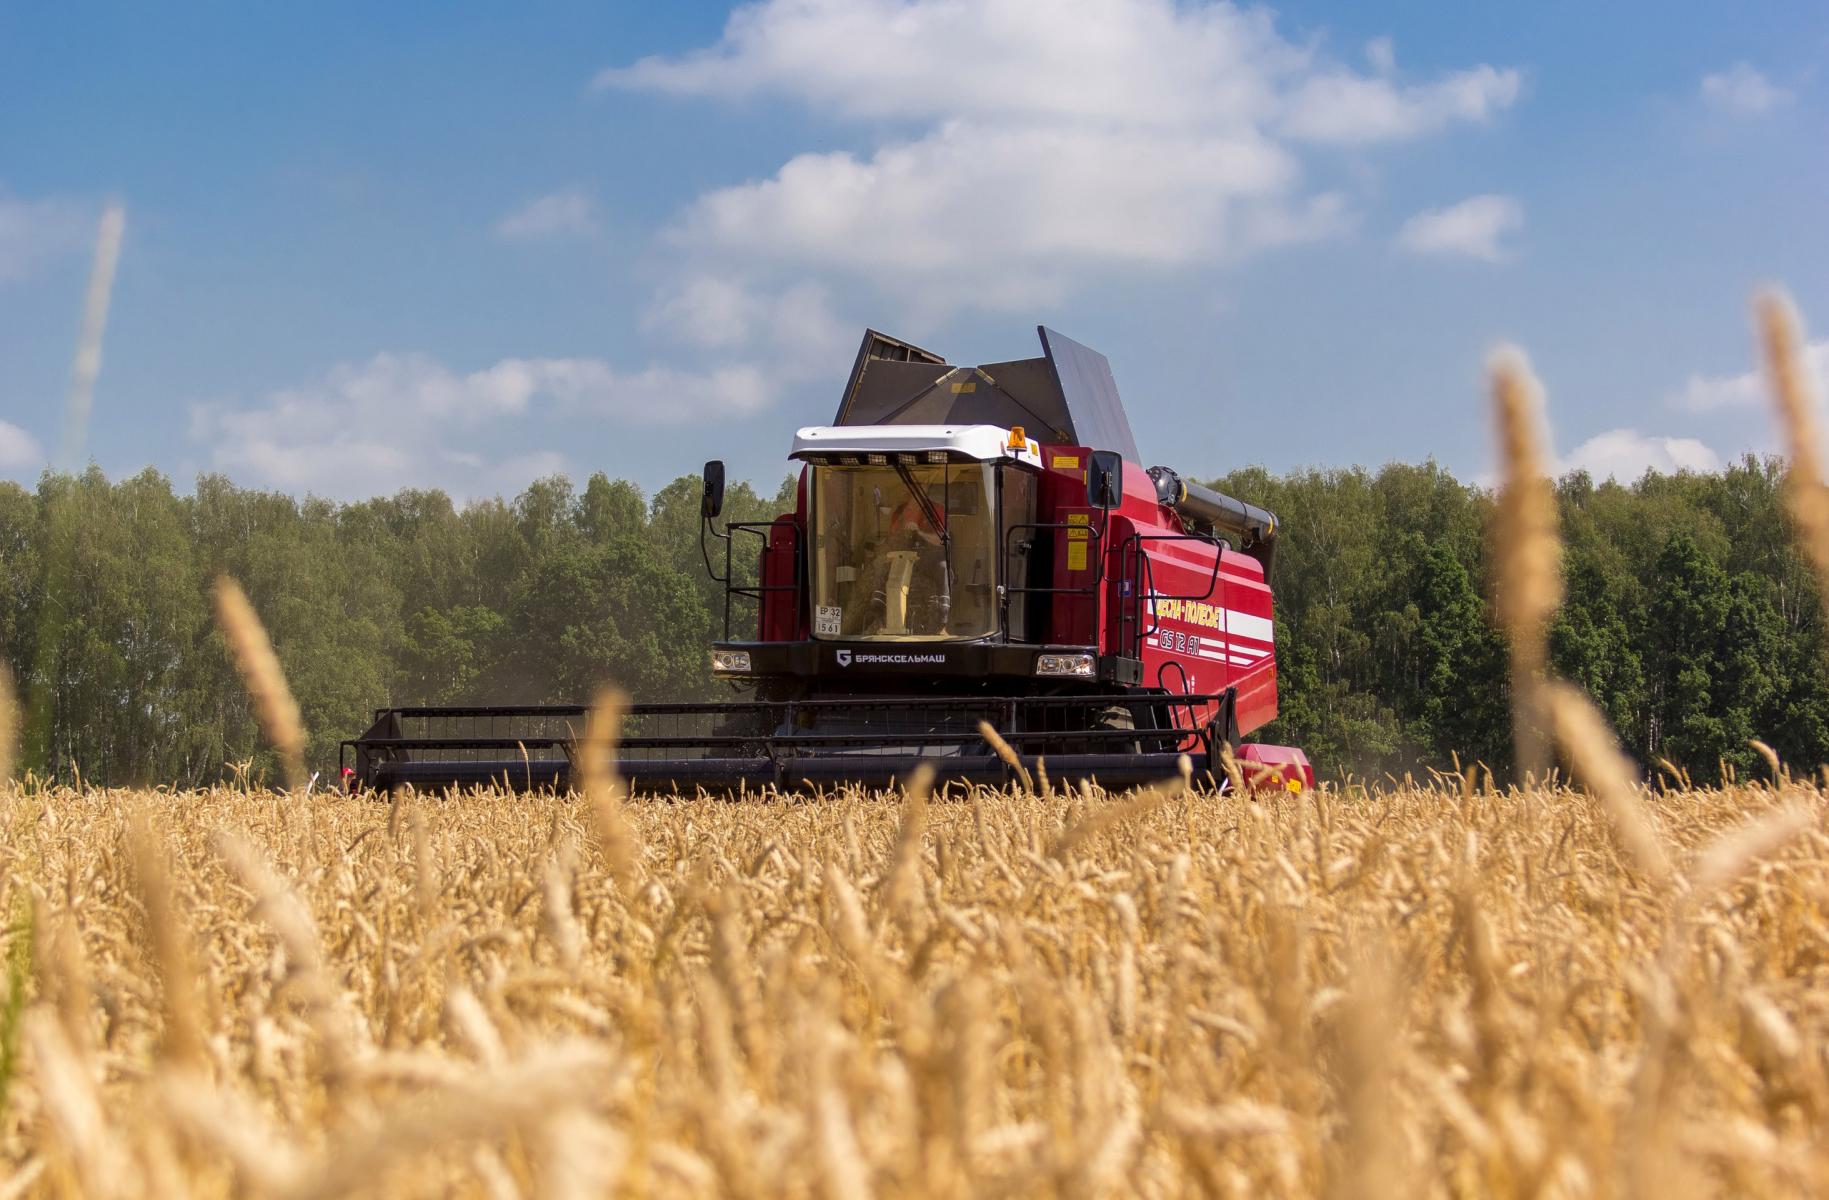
(1459, 990)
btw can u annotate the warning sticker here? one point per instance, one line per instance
(1076, 556)
(829, 620)
(1066, 461)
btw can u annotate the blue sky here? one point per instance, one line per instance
(462, 245)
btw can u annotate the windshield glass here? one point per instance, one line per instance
(904, 552)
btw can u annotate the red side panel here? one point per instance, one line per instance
(1197, 615)
(1275, 767)
(1250, 641)
(781, 617)
(1207, 626)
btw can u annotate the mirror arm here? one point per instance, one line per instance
(705, 551)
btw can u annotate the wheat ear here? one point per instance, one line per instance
(266, 682)
(1009, 756)
(1527, 552)
(604, 790)
(1781, 337)
(1599, 764)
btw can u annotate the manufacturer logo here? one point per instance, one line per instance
(866, 658)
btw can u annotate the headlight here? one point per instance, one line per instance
(730, 662)
(1064, 664)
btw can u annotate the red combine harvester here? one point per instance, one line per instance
(968, 544)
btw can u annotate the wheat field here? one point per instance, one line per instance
(1430, 990)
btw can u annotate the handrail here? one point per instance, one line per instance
(1132, 615)
(1095, 538)
(1092, 535)
(761, 530)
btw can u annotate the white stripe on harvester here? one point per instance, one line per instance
(1258, 629)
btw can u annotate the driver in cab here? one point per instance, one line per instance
(909, 591)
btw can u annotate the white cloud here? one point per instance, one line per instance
(705, 311)
(18, 449)
(1348, 109)
(1013, 152)
(565, 213)
(406, 420)
(1743, 91)
(1130, 62)
(1626, 454)
(804, 331)
(32, 231)
(1713, 393)
(792, 328)
(1474, 228)
(1000, 217)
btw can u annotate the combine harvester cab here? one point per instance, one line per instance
(969, 544)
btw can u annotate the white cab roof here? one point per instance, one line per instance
(986, 443)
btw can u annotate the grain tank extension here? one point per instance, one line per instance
(968, 544)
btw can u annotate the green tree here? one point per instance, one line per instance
(1715, 662)
(610, 509)
(1592, 645)
(21, 580)
(610, 614)
(447, 655)
(122, 613)
(1463, 678)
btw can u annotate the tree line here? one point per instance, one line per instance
(1690, 616)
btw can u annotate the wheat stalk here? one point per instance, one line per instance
(1595, 755)
(604, 790)
(488, 1104)
(1009, 756)
(1111, 816)
(265, 681)
(88, 362)
(9, 724)
(1782, 340)
(1526, 550)
(561, 921)
(68, 1097)
(229, 1124)
(901, 888)
(169, 939)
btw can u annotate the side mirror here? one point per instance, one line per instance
(1105, 479)
(713, 501)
